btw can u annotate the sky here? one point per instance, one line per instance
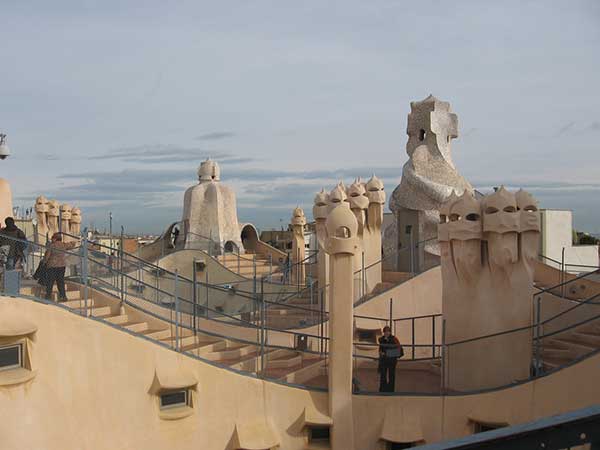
(112, 105)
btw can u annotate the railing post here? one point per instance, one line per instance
(157, 272)
(238, 253)
(412, 256)
(538, 365)
(298, 269)
(311, 301)
(412, 320)
(84, 274)
(121, 266)
(320, 294)
(194, 294)
(262, 328)
(364, 283)
(443, 356)
(254, 277)
(207, 292)
(176, 310)
(562, 273)
(432, 337)
(270, 268)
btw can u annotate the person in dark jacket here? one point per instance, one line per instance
(12, 237)
(389, 352)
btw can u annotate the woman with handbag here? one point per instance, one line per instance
(389, 352)
(55, 262)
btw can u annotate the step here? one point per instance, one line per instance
(183, 333)
(201, 348)
(279, 311)
(97, 311)
(309, 369)
(590, 328)
(231, 353)
(252, 362)
(243, 262)
(78, 303)
(71, 295)
(588, 338)
(185, 341)
(285, 362)
(554, 343)
(260, 270)
(555, 352)
(249, 362)
(555, 362)
(246, 256)
(157, 334)
(579, 348)
(119, 319)
(136, 327)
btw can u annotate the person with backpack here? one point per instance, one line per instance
(389, 352)
(13, 237)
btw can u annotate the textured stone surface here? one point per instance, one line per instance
(298, 222)
(48, 213)
(53, 215)
(488, 248)
(41, 211)
(366, 201)
(429, 176)
(210, 210)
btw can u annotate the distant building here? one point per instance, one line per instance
(556, 243)
(104, 243)
(282, 239)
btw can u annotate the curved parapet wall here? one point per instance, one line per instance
(108, 390)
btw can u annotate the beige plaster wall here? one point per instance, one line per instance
(91, 392)
(449, 417)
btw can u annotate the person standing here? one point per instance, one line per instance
(14, 238)
(55, 260)
(389, 352)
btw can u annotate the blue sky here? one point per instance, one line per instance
(112, 105)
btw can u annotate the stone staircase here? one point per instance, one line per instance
(244, 264)
(564, 348)
(279, 364)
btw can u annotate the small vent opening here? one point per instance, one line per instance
(318, 434)
(482, 427)
(11, 357)
(174, 399)
(401, 445)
